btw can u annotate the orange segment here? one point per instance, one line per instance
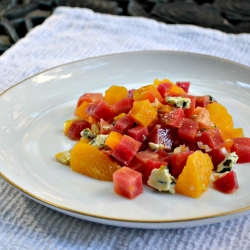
(81, 110)
(143, 112)
(195, 177)
(238, 132)
(90, 161)
(228, 136)
(220, 116)
(176, 90)
(157, 82)
(148, 92)
(118, 117)
(115, 94)
(67, 125)
(113, 139)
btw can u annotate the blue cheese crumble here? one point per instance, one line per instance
(87, 134)
(63, 157)
(162, 180)
(99, 141)
(180, 102)
(228, 163)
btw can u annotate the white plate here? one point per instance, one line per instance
(32, 117)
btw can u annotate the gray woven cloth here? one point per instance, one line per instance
(71, 34)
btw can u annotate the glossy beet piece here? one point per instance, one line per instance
(145, 161)
(228, 183)
(188, 112)
(217, 155)
(89, 97)
(101, 110)
(105, 127)
(127, 182)
(124, 105)
(242, 148)
(144, 156)
(202, 101)
(184, 85)
(178, 162)
(123, 124)
(192, 146)
(212, 138)
(173, 118)
(165, 136)
(139, 133)
(163, 88)
(164, 156)
(126, 149)
(76, 128)
(140, 159)
(202, 116)
(188, 130)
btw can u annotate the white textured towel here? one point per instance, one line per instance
(71, 34)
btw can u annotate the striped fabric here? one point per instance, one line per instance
(71, 34)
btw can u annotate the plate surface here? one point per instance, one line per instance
(32, 117)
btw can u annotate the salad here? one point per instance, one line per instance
(158, 135)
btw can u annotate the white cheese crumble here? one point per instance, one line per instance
(99, 141)
(181, 148)
(203, 146)
(63, 157)
(162, 180)
(180, 102)
(154, 146)
(228, 163)
(156, 103)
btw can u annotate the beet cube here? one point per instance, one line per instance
(127, 182)
(126, 149)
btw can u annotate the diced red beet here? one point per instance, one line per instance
(202, 101)
(124, 105)
(227, 183)
(136, 164)
(101, 109)
(105, 127)
(163, 88)
(241, 146)
(126, 149)
(131, 93)
(153, 124)
(217, 155)
(89, 97)
(145, 161)
(76, 128)
(123, 124)
(188, 112)
(140, 159)
(164, 156)
(188, 130)
(192, 146)
(139, 133)
(173, 119)
(184, 85)
(165, 136)
(128, 182)
(178, 162)
(202, 116)
(144, 156)
(212, 138)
